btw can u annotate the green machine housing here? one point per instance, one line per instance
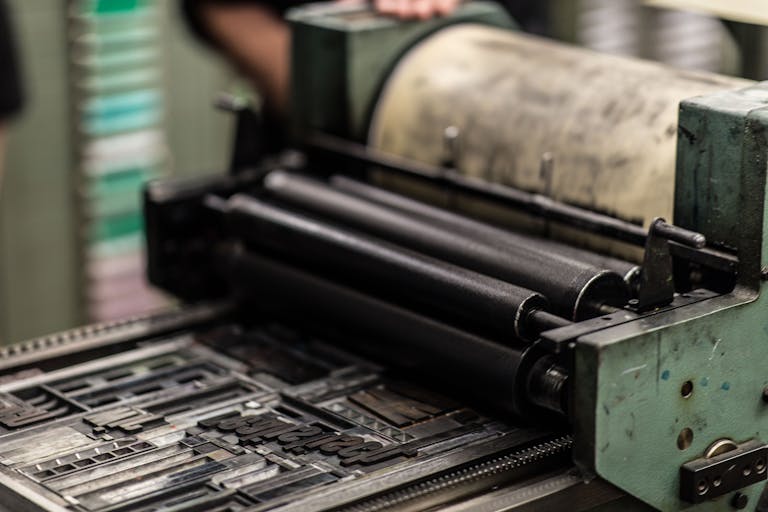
(660, 401)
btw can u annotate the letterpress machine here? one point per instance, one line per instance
(492, 273)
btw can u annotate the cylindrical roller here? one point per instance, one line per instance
(610, 122)
(490, 372)
(480, 230)
(576, 290)
(453, 292)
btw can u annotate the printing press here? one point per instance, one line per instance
(493, 273)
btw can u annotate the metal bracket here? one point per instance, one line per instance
(249, 146)
(707, 478)
(558, 341)
(657, 287)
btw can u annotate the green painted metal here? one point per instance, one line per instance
(629, 406)
(721, 173)
(342, 54)
(630, 409)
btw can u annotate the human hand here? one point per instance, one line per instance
(413, 9)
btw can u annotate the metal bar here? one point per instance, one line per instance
(535, 204)
(493, 373)
(706, 256)
(577, 290)
(542, 321)
(87, 341)
(679, 235)
(429, 284)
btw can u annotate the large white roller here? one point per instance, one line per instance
(611, 122)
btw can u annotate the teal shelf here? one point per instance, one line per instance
(112, 7)
(116, 227)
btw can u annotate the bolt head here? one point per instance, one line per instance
(739, 501)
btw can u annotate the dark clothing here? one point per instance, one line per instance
(11, 97)
(530, 14)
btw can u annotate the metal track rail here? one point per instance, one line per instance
(481, 475)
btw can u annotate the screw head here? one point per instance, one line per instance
(739, 501)
(764, 396)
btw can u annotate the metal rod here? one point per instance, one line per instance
(577, 289)
(480, 230)
(491, 372)
(679, 235)
(542, 321)
(428, 284)
(535, 204)
(707, 257)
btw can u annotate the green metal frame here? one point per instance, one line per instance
(630, 409)
(630, 406)
(342, 55)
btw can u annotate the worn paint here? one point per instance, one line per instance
(610, 122)
(714, 348)
(634, 369)
(642, 420)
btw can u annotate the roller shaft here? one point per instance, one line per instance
(490, 372)
(577, 290)
(456, 294)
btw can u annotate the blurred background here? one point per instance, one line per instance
(118, 93)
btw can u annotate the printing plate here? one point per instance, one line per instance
(231, 419)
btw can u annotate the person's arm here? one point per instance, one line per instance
(255, 37)
(416, 9)
(11, 98)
